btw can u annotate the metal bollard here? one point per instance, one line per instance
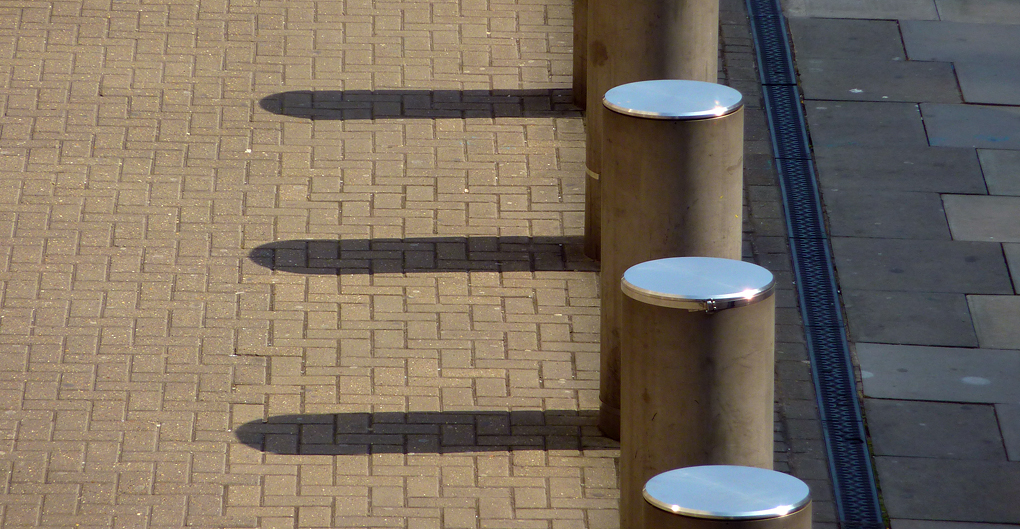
(672, 186)
(725, 497)
(697, 369)
(638, 40)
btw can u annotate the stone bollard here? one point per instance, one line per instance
(580, 94)
(725, 497)
(672, 187)
(639, 40)
(697, 369)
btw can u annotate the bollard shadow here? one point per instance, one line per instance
(426, 104)
(425, 432)
(424, 254)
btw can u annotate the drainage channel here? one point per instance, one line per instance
(854, 488)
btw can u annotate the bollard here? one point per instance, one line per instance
(672, 186)
(579, 94)
(639, 40)
(725, 497)
(697, 369)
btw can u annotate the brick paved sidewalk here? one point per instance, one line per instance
(308, 264)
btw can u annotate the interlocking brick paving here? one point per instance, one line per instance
(303, 264)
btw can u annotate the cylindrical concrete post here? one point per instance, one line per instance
(725, 497)
(639, 40)
(698, 369)
(672, 187)
(580, 94)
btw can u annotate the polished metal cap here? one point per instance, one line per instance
(673, 99)
(725, 492)
(697, 283)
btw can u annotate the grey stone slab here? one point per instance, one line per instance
(837, 38)
(1001, 170)
(983, 217)
(980, 11)
(954, 41)
(866, 9)
(857, 212)
(949, 489)
(872, 80)
(858, 123)
(759, 169)
(921, 266)
(934, 429)
(919, 318)
(934, 169)
(996, 321)
(981, 126)
(1009, 425)
(944, 374)
(941, 524)
(989, 81)
(1012, 252)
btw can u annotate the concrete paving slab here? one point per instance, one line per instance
(989, 127)
(1001, 170)
(927, 40)
(921, 266)
(944, 374)
(996, 321)
(876, 80)
(918, 318)
(837, 38)
(845, 124)
(983, 217)
(980, 11)
(949, 489)
(1012, 252)
(858, 212)
(899, 523)
(989, 81)
(1009, 425)
(934, 429)
(868, 9)
(934, 169)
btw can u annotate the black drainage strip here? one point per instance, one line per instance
(854, 488)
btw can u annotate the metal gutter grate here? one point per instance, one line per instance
(849, 460)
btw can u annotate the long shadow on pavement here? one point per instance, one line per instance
(424, 254)
(426, 104)
(425, 432)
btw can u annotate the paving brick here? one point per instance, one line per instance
(142, 332)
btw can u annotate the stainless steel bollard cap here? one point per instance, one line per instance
(726, 492)
(697, 283)
(673, 99)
